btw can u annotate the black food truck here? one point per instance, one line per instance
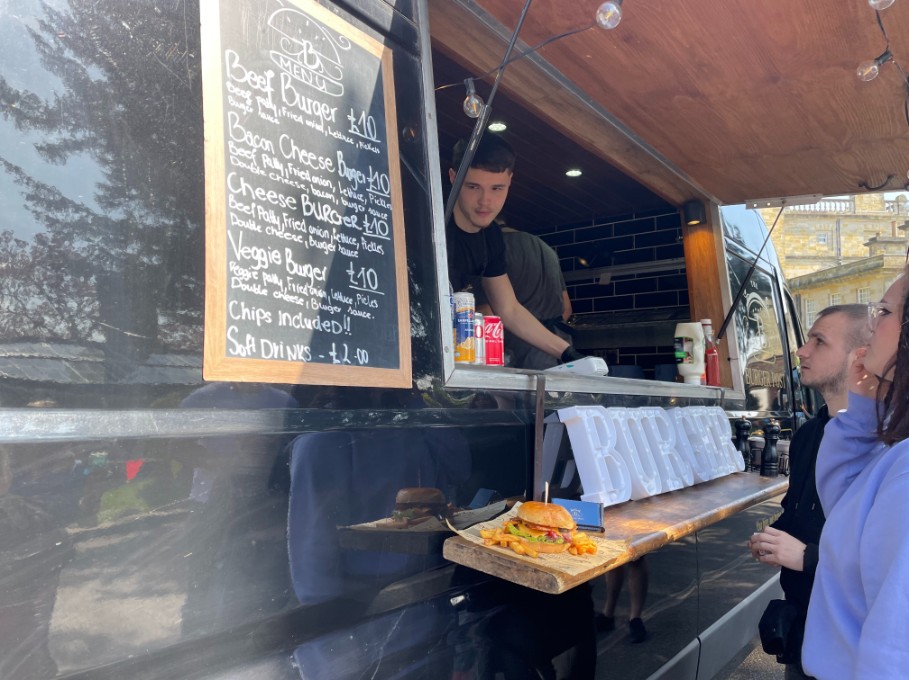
(226, 340)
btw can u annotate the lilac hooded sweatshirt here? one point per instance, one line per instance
(858, 616)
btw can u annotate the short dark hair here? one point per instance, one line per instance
(859, 331)
(493, 154)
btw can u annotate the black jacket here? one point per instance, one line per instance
(802, 515)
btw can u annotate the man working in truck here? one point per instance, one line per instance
(536, 277)
(476, 247)
(791, 542)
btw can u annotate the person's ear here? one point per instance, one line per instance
(858, 355)
(451, 175)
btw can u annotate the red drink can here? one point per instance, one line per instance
(495, 341)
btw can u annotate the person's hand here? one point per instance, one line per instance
(772, 546)
(753, 546)
(570, 354)
(862, 381)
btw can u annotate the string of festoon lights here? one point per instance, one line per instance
(868, 70)
(608, 16)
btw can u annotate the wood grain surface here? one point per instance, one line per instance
(632, 529)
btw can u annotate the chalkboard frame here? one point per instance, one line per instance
(217, 365)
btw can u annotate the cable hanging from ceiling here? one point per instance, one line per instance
(868, 70)
(607, 17)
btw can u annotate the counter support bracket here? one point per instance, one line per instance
(539, 414)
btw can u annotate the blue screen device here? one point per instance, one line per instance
(588, 515)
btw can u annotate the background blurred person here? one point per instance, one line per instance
(536, 277)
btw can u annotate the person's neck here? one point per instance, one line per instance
(836, 402)
(460, 220)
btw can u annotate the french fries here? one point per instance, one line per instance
(581, 545)
(506, 540)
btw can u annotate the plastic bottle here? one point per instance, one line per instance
(689, 351)
(711, 355)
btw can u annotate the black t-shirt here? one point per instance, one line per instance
(474, 255)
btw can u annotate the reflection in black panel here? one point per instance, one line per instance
(102, 197)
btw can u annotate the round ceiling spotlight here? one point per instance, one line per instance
(573, 172)
(497, 126)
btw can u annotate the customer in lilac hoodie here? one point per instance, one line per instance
(858, 617)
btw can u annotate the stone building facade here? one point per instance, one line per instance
(841, 250)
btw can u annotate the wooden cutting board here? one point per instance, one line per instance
(632, 529)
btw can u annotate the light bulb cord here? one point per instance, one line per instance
(521, 55)
(887, 55)
(480, 125)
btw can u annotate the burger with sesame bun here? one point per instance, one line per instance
(543, 527)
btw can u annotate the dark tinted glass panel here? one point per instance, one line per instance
(748, 228)
(182, 554)
(663, 585)
(762, 347)
(102, 196)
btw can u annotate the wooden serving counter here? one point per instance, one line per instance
(633, 529)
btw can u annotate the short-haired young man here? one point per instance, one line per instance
(792, 541)
(476, 247)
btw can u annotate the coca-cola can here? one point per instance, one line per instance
(495, 341)
(479, 337)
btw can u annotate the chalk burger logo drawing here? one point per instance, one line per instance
(310, 52)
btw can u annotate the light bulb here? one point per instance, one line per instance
(880, 4)
(473, 103)
(497, 126)
(609, 14)
(866, 71)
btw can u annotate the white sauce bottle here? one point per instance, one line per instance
(689, 351)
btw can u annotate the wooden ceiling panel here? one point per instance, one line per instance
(743, 98)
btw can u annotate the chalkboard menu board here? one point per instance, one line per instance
(306, 277)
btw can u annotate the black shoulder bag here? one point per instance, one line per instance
(782, 628)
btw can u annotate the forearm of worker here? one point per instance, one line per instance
(518, 320)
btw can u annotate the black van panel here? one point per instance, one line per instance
(153, 526)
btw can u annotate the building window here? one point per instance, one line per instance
(863, 295)
(836, 299)
(822, 237)
(810, 311)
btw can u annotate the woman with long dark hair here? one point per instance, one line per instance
(857, 620)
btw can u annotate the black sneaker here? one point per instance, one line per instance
(605, 624)
(636, 631)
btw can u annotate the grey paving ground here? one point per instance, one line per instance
(755, 666)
